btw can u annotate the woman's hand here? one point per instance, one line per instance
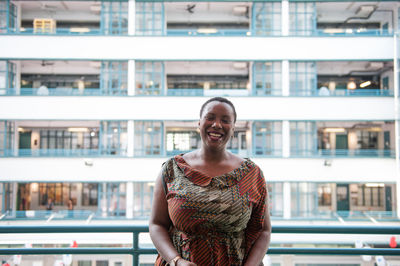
(183, 262)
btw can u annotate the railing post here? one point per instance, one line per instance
(135, 255)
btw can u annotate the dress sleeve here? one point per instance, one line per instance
(166, 174)
(256, 222)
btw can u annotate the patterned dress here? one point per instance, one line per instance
(215, 220)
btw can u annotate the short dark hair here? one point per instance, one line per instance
(219, 99)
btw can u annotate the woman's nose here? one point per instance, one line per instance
(216, 124)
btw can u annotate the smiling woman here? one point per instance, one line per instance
(210, 206)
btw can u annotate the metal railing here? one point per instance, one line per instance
(78, 31)
(98, 214)
(136, 250)
(190, 92)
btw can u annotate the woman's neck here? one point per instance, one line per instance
(213, 155)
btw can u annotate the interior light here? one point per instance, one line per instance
(78, 129)
(92, 133)
(79, 30)
(22, 29)
(207, 30)
(248, 85)
(96, 64)
(206, 85)
(375, 185)
(351, 85)
(81, 85)
(248, 33)
(374, 129)
(115, 130)
(365, 84)
(334, 129)
(332, 85)
(34, 187)
(333, 30)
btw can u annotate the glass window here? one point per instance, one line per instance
(69, 139)
(58, 192)
(267, 138)
(275, 191)
(114, 78)
(370, 195)
(304, 199)
(302, 18)
(148, 138)
(324, 195)
(114, 139)
(267, 78)
(303, 78)
(150, 18)
(182, 141)
(367, 140)
(114, 17)
(6, 138)
(90, 194)
(143, 198)
(149, 77)
(303, 138)
(113, 198)
(266, 18)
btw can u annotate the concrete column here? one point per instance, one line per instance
(131, 77)
(287, 207)
(285, 18)
(129, 200)
(15, 139)
(131, 17)
(17, 77)
(285, 78)
(397, 117)
(131, 138)
(14, 197)
(285, 139)
(249, 140)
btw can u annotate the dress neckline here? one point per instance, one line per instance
(202, 179)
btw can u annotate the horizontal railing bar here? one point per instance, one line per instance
(335, 251)
(56, 251)
(315, 229)
(130, 251)
(285, 229)
(74, 229)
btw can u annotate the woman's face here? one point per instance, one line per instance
(216, 124)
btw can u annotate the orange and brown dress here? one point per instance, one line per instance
(215, 220)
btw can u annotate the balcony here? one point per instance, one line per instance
(201, 19)
(198, 78)
(140, 246)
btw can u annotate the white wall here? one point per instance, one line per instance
(146, 169)
(196, 48)
(170, 108)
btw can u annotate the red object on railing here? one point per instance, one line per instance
(393, 242)
(74, 244)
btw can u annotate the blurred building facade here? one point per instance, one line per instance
(96, 95)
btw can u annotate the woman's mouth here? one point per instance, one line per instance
(215, 136)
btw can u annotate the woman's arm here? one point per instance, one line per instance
(260, 246)
(159, 224)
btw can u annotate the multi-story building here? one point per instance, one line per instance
(95, 95)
